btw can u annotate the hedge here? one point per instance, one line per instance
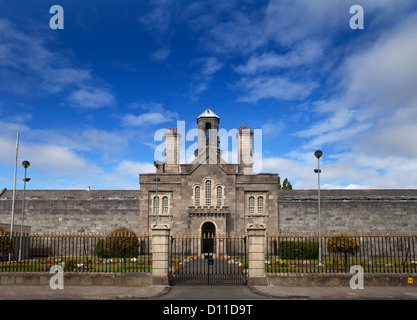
(298, 249)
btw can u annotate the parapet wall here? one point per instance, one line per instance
(348, 210)
(297, 210)
(73, 211)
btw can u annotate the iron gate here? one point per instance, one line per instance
(208, 260)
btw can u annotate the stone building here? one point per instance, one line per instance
(208, 194)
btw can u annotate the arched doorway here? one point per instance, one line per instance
(208, 232)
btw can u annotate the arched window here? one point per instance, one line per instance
(251, 205)
(155, 205)
(165, 204)
(208, 192)
(197, 196)
(219, 196)
(208, 128)
(260, 205)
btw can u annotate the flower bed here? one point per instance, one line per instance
(80, 264)
(394, 266)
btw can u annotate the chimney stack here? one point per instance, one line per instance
(172, 150)
(245, 150)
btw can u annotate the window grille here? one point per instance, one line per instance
(208, 193)
(197, 196)
(165, 204)
(156, 205)
(251, 205)
(260, 205)
(219, 196)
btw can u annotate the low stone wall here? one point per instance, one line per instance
(77, 279)
(339, 280)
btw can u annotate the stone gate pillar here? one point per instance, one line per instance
(160, 254)
(256, 254)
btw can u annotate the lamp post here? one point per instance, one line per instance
(26, 165)
(157, 164)
(318, 155)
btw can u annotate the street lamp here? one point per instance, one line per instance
(26, 165)
(157, 164)
(318, 155)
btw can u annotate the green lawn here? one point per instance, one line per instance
(74, 264)
(331, 265)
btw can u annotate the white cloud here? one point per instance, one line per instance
(92, 98)
(277, 87)
(131, 168)
(30, 68)
(160, 54)
(53, 158)
(150, 118)
(304, 53)
(155, 114)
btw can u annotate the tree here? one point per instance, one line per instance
(5, 242)
(286, 185)
(122, 243)
(342, 243)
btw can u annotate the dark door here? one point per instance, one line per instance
(208, 232)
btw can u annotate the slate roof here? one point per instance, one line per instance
(208, 114)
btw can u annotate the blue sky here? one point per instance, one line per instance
(88, 100)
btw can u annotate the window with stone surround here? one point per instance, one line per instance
(256, 203)
(260, 205)
(208, 192)
(197, 196)
(251, 205)
(165, 204)
(219, 196)
(155, 205)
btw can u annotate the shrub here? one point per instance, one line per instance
(101, 250)
(298, 249)
(5, 242)
(122, 243)
(342, 243)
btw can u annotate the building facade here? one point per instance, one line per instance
(207, 195)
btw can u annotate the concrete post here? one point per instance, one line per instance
(256, 255)
(160, 254)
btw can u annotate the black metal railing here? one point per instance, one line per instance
(390, 252)
(75, 252)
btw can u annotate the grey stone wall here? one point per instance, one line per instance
(348, 210)
(105, 210)
(72, 210)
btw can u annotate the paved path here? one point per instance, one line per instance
(19, 292)
(212, 292)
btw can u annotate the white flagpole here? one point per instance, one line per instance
(14, 189)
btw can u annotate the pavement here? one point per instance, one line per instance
(272, 292)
